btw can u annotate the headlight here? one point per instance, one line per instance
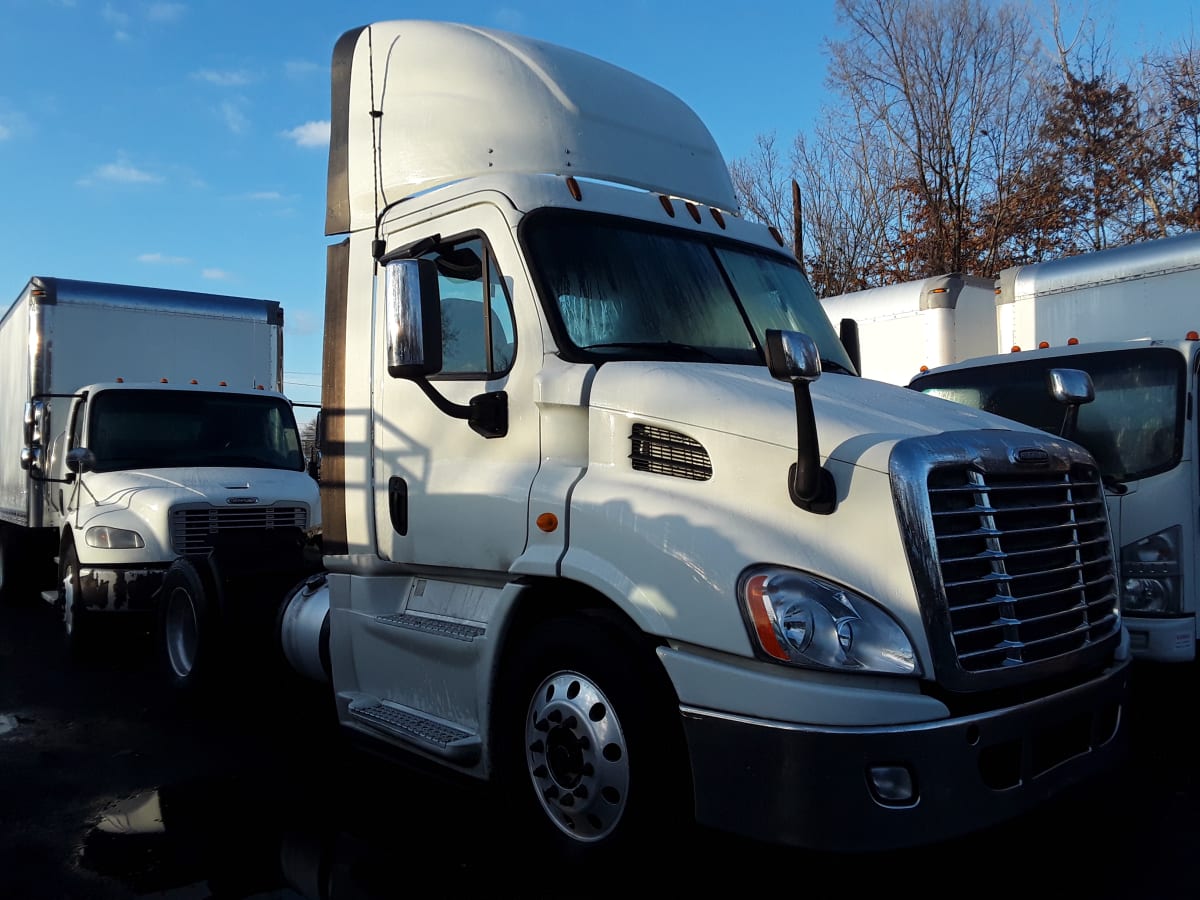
(807, 621)
(1150, 576)
(105, 537)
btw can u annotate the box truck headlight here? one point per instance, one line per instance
(807, 621)
(1150, 574)
(105, 537)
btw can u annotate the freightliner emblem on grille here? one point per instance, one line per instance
(241, 501)
(1030, 456)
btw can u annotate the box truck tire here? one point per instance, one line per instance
(188, 631)
(79, 624)
(590, 742)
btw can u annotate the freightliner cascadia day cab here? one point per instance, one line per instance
(1128, 317)
(152, 467)
(610, 522)
(906, 327)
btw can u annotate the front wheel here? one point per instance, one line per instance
(79, 623)
(187, 634)
(590, 743)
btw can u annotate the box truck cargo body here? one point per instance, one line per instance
(926, 322)
(143, 432)
(610, 522)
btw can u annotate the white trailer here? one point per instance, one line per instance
(610, 521)
(1128, 316)
(149, 462)
(927, 322)
(1141, 290)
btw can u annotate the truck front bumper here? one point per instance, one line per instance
(1166, 640)
(818, 787)
(120, 589)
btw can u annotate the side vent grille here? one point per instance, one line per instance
(668, 453)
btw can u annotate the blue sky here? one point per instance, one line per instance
(183, 144)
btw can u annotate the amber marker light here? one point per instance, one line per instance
(718, 218)
(1071, 342)
(666, 204)
(761, 615)
(547, 522)
(693, 211)
(1015, 349)
(1193, 336)
(1044, 345)
(573, 187)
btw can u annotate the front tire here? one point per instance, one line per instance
(187, 632)
(590, 743)
(79, 623)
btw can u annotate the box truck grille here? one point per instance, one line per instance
(668, 453)
(194, 530)
(1026, 563)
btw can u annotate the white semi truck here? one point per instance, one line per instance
(608, 519)
(914, 325)
(1128, 317)
(151, 465)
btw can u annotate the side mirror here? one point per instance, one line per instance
(414, 322)
(80, 460)
(1073, 388)
(792, 356)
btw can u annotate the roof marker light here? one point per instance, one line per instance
(1071, 342)
(573, 187)
(666, 204)
(693, 211)
(1193, 336)
(1015, 349)
(1043, 345)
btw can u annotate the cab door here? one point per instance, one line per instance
(445, 495)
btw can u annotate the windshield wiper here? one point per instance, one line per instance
(828, 365)
(670, 349)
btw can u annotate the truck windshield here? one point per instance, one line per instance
(1134, 427)
(147, 429)
(617, 290)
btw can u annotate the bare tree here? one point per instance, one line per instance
(948, 86)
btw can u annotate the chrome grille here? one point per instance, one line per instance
(194, 529)
(667, 452)
(1026, 563)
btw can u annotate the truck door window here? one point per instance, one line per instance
(478, 338)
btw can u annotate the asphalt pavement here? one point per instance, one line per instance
(111, 787)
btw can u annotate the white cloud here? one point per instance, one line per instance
(114, 16)
(298, 68)
(12, 123)
(216, 274)
(235, 119)
(162, 259)
(228, 78)
(301, 321)
(310, 134)
(165, 12)
(5, 132)
(266, 195)
(120, 172)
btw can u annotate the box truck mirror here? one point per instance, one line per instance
(80, 460)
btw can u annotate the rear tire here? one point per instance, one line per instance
(187, 633)
(590, 749)
(10, 588)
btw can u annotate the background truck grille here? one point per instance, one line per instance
(1026, 563)
(194, 529)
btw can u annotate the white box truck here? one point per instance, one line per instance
(1128, 317)
(608, 521)
(151, 465)
(927, 322)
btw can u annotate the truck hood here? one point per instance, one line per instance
(858, 420)
(218, 486)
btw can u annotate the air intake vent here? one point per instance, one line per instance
(668, 453)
